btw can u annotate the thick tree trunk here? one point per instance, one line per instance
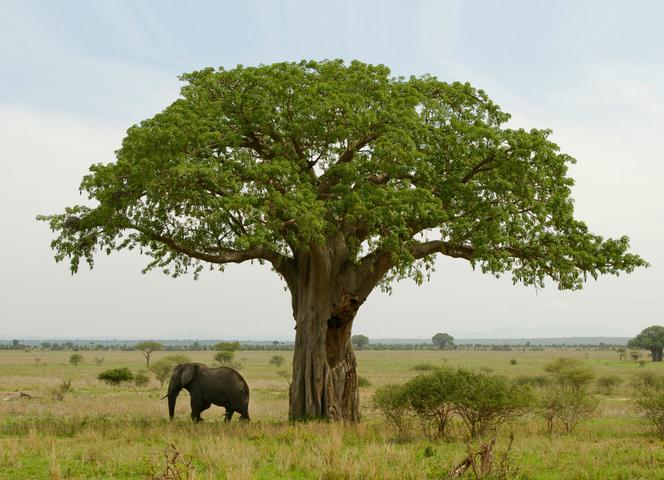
(656, 354)
(324, 382)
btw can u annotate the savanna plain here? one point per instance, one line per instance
(98, 431)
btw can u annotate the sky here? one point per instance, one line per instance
(74, 75)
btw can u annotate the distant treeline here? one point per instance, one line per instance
(601, 343)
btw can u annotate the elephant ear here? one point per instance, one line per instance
(187, 374)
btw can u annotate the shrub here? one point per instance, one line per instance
(649, 398)
(116, 376)
(141, 379)
(224, 357)
(645, 379)
(227, 346)
(566, 406)
(277, 360)
(607, 383)
(75, 359)
(513, 361)
(363, 382)
(533, 380)
(178, 358)
(162, 370)
(484, 401)
(393, 404)
(570, 373)
(432, 397)
(423, 367)
(577, 405)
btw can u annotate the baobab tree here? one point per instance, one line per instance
(651, 338)
(342, 178)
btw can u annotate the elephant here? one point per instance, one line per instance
(207, 386)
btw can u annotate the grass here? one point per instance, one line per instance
(98, 431)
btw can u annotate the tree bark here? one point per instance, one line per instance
(324, 382)
(656, 354)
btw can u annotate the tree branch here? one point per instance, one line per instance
(480, 167)
(424, 249)
(345, 157)
(354, 147)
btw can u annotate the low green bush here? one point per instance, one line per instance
(423, 367)
(363, 382)
(606, 383)
(392, 402)
(116, 376)
(480, 400)
(533, 380)
(485, 401)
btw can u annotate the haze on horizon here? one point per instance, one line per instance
(76, 75)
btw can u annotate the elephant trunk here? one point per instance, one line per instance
(172, 397)
(173, 392)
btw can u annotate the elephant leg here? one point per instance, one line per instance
(196, 408)
(229, 415)
(244, 414)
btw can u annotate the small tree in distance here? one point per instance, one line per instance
(147, 348)
(227, 346)
(443, 340)
(277, 360)
(651, 338)
(359, 341)
(75, 359)
(224, 357)
(163, 367)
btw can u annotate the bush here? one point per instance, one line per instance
(178, 358)
(227, 346)
(363, 382)
(485, 401)
(393, 403)
(645, 379)
(163, 367)
(570, 373)
(423, 367)
(432, 397)
(566, 406)
(225, 357)
(277, 360)
(533, 380)
(607, 383)
(116, 376)
(482, 401)
(162, 370)
(141, 379)
(649, 398)
(513, 361)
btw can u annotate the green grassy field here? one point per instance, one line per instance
(99, 431)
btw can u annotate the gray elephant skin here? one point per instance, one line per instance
(207, 386)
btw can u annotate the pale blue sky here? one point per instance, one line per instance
(74, 75)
